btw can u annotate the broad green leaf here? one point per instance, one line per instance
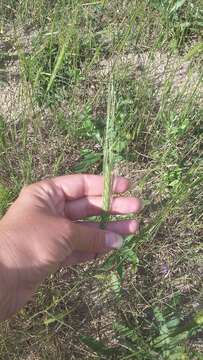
(97, 346)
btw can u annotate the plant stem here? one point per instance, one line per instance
(108, 154)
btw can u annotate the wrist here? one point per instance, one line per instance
(16, 286)
(9, 277)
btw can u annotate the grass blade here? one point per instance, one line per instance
(108, 154)
(57, 66)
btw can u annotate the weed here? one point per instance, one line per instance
(182, 19)
(92, 84)
(169, 343)
(108, 153)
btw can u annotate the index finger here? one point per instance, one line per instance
(82, 185)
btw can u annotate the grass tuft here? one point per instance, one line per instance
(105, 86)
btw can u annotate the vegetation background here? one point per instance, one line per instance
(56, 58)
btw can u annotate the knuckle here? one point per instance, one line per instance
(43, 186)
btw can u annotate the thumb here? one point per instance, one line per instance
(93, 240)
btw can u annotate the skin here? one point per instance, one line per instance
(42, 231)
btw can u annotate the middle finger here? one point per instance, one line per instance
(92, 206)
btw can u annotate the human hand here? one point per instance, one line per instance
(42, 231)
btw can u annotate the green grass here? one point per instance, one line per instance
(108, 158)
(144, 301)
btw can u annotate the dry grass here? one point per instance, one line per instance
(46, 120)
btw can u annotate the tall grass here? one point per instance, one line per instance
(77, 115)
(108, 157)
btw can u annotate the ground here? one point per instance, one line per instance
(56, 60)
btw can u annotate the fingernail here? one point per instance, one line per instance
(134, 226)
(113, 241)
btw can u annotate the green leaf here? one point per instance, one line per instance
(173, 323)
(177, 6)
(97, 346)
(196, 50)
(116, 284)
(126, 331)
(55, 318)
(199, 318)
(101, 277)
(131, 256)
(58, 65)
(158, 315)
(89, 158)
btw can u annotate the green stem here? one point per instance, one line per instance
(108, 154)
